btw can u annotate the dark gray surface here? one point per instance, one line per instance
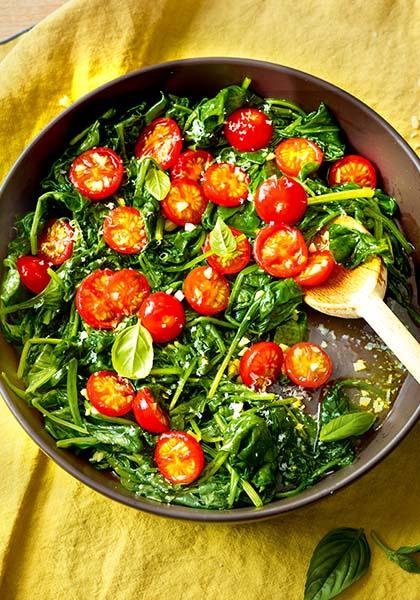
(366, 131)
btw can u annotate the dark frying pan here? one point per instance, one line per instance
(366, 132)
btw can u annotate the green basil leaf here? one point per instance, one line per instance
(340, 559)
(340, 428)
(157, 183)
(132, 352)
(222, 240)
(307, 169)
(403, 556)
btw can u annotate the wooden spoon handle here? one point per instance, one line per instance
(393, 332)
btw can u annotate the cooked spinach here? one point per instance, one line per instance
(258, 445)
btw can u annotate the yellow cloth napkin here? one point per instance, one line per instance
(59, 539)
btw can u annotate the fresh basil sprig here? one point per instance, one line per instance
(353, 423)
(340, 559)
(132, 352)
(222, 240)
(157, 182)
(403, 556)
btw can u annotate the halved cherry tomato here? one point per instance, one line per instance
(281, 200)
(55, 244)
(124, 230)
(126, 291)
(318, 268)
(148, 413)
(261, 364)
(294, 153)
(352, 169)
(110, 394)
(191, 165)
(179, 457)
(92, 300)
(33, 273)
(248, 129)
(235, 262)
(206, 290)
(97, 173)
(226, 184)
(280, 250)
(163, 316)
(308, 365)
(185, 202)
(161, 140)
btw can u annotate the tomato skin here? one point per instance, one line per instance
(191, 164)
(298, 362)
(232, 265)
(179, 457)
(124, 230)
(261, 364)
(126, 291)
(55, 244)
(318, 268)
(248, 129)
(280, 250)
(161, 140)
(33, 273)
(149, 415)
(206, 290)
(163, 316)
(189, 195)
(92, 301)
(109, 393)
(352, 169)
(281, 200)
(293, 153)
(97, 173)
(226, 184)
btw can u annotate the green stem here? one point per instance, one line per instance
(141, 175)
(238, 284)
(181, 384)
(251, 493)
(211, 320)
(159, 229)
(77, 441)
(343, 195)
(166, 371)
(191, 263)
(286, 104)
(18, 391)
(57, 420)
(72, 392)
(33, 235)
(380, 543)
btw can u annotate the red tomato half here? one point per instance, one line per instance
(97, 173)
(233, 263)
(260, 366)
(191, 165)
(185, 202)
(92, 300)
(160, 140)
(318, 268)
(126, 291)
(226, 184)
(352, 169)
(294, 153)
(124, 230)
(308, 365)
(163, 316)
(280, 250)
(179, 457)
(33, 273)
(206, 290)
(55, 244)
(110, 394)
(148, 413)
(281, 200)
(248, 129)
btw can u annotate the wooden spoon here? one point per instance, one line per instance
(359, 292)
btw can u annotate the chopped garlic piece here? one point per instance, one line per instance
(378, 405)
(208, 273)
(189, 227)
(364, 401)
(359, 365)
(179, 295)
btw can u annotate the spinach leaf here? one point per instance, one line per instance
(350, 424)
(406, 557)
(292, 331)
(132, 352)
(351, 247)
(340, 559)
